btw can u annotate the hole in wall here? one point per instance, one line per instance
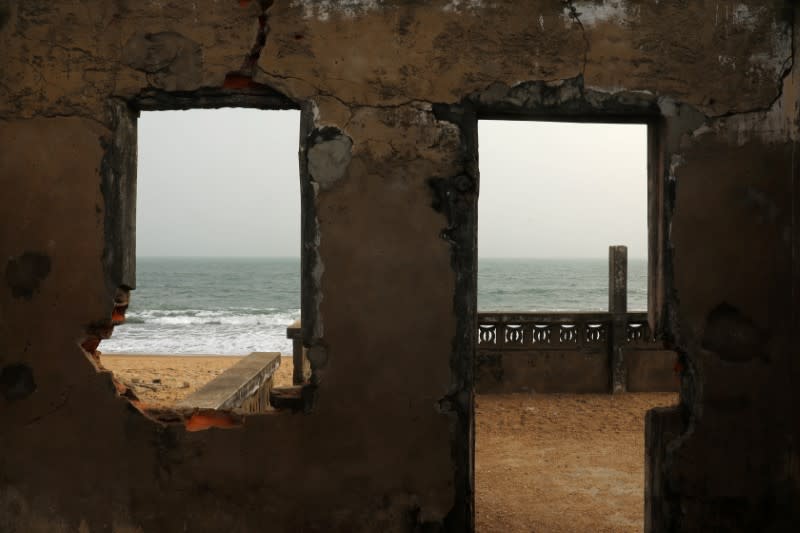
(554, 197)
(217, 260)
(16, 382)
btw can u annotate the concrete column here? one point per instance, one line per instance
(299, 362)
(618, 307)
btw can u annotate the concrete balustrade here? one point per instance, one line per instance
(244, 386)
(578, 352)
(570, 352)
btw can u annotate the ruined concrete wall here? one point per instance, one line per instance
(735, 316)
(390, 284)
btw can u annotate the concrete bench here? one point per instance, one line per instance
(244, 386)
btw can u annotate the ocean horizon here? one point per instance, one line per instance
(238, 305)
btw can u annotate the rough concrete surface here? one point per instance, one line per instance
(389, 255)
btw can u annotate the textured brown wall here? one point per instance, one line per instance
(383, 448)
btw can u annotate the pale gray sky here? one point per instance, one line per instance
(562, 190)
(218, 182)
(225, 183)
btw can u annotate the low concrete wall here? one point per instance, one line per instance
(552, 371)
(572, 372)
(651, 371)
(569, 353)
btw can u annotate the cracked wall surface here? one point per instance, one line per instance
(390, 94)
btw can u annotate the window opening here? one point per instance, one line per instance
(217, 246)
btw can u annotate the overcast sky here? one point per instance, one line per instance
(220, 182)
(225, 183)
(555, 189)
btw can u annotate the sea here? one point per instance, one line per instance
(234, 306)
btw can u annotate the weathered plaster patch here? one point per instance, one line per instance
(591, 12)
(329, 157)
(733, 336)
(16, 382)
(726, 60)
(667, 106)
(675, 161)
(322, 10)
(778, 60)
(749, 18)
(462, 5)
(172, 61)
(618, 90)
(25, 272)
(777, 124)
(315, 113)
(702, 130)
(746, 16)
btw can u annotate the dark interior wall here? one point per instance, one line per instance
(393, 189)
(736, 321)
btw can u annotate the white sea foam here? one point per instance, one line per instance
(201, 331)
(200, 317)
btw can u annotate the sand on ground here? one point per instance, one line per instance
(554, 463)
(166, 379)
(544, 463)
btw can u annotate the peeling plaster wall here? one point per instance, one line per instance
(391, 196)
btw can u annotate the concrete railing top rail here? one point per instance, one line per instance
(294, 331)
(555, 317)
(237, 384)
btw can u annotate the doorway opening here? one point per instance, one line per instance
(562, 208)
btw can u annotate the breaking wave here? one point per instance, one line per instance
(226, 332)
(232, 317)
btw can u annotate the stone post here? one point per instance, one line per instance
(618, 307)
(299, 362)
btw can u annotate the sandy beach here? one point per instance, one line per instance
(545, 463)
(165, 379)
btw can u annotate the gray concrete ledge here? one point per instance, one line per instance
(244, 385)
